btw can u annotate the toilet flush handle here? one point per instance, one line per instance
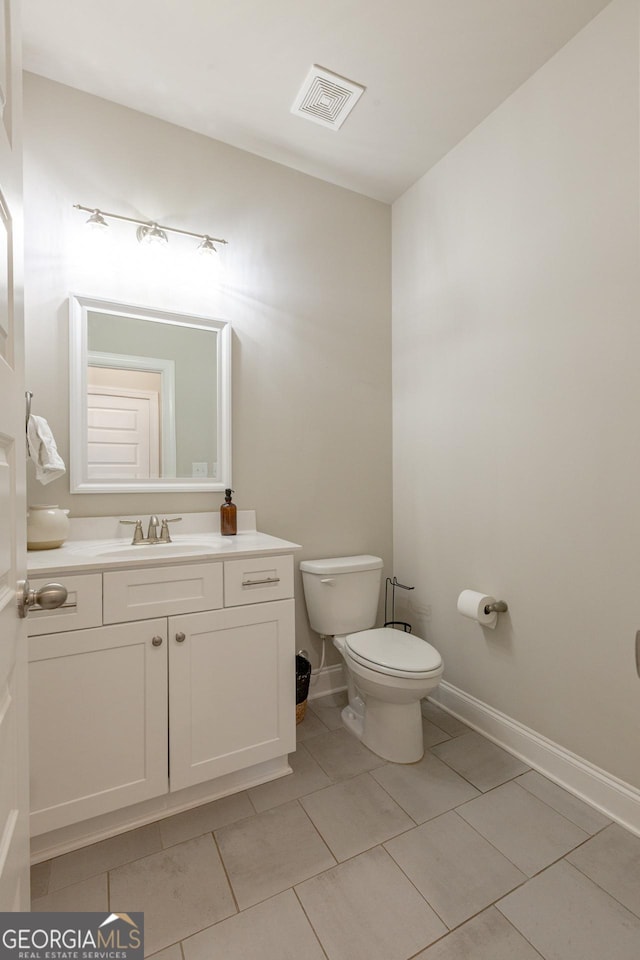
(328, 580)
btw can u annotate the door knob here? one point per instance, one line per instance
(49, 597)
(157, 641)
(180, 637)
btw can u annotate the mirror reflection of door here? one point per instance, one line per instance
(123, 421)
(130, 417)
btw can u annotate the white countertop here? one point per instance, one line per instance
(84, 553)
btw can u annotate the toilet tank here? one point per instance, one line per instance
(342, 593)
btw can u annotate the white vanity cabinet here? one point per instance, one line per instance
(179, 675)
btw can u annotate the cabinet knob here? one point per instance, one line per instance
(157, 641)
(180, 637)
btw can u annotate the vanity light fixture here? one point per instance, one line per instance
(149, 232)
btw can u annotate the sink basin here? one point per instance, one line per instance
(151, 551)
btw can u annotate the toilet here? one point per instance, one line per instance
(388, 671)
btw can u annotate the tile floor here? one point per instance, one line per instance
(466, 855)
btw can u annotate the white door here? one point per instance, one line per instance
(14, 846)
(123, 434)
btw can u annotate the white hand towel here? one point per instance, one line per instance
(43, 451)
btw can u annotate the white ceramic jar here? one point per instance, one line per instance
(47, 526)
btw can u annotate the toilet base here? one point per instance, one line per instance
(392, 731)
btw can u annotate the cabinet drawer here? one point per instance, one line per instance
(161, 591)
(83, 606)
(257, 580)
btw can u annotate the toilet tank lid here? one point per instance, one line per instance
(341, 565)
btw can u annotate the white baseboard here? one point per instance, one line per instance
(616, 799)
(328, 680)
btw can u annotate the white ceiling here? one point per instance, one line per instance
(231, 69)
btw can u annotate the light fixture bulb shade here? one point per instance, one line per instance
(152, 235)
(206, 247)
(97, 222)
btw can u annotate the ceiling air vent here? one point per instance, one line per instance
(326, 98)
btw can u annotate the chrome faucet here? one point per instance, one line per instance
(152, 533)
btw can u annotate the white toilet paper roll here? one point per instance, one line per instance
(471, 604)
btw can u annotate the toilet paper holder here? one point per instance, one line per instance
(498, 607)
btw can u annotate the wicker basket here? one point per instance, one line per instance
(301, 709)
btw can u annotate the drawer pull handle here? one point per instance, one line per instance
(180, 637)
(157, 641)
(253, 583)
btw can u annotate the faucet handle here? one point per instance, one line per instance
(137, 533)
(164, 531)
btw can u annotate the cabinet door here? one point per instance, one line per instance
(231, 690)
(98, 721)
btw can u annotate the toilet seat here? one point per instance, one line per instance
(394, 653)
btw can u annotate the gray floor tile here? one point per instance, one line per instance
(307, 776)
(181, 890)
(442, 719)
(270, 852)
(89, 895)
(204, 819)
(574, 809)
(612, 860)
(40, 879)
(276, 929)
(341, 755)
(366, 909)
(432, 734)
(102, 856)
(567, 917)
(489, 936)
(329, 708)
(311, 726)
(355, 815)
(457, 871)
(529, 832)
(479, 760)
(424, 789)
(170, 953)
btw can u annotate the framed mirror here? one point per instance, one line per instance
(150, 399)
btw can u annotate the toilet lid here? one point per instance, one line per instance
(393, 650)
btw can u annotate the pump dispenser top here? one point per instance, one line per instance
(228, 515)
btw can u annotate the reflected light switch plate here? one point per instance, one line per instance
(199, 470)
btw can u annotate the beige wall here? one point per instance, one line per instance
(516, 338)
(306, 287)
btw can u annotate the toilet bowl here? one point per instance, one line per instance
(388, 671)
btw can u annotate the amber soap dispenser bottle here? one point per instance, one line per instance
(228, 519)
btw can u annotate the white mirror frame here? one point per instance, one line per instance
(80, 482)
